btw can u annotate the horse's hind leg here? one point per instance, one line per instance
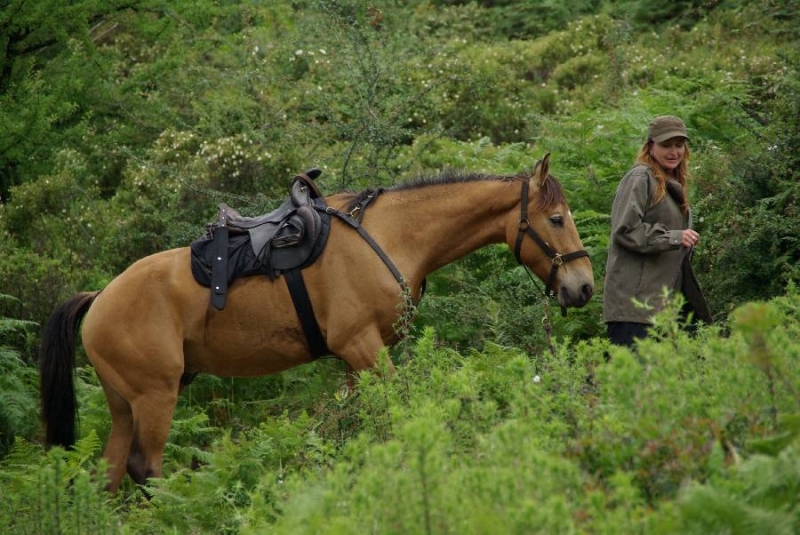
(119, 442)
(152, 417)
(138, 436)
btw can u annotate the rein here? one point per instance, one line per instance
(556, 258)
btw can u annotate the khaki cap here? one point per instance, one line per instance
(666, 127)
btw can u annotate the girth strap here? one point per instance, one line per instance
(305, 312)
(299, 293)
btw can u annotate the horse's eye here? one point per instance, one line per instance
(557, 220)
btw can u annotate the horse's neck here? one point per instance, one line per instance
(429, 227)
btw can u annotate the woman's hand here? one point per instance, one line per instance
(690, 238)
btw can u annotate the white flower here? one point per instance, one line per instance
(537, 379)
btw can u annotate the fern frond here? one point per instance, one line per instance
(84, 450)
(10, 325)
(22, 455)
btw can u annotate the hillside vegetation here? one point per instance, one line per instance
(123, 124)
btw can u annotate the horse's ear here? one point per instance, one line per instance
(542, 170)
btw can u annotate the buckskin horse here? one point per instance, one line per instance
(152, 328)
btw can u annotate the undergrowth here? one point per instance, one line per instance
(685, 434)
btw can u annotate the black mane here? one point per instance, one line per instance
(448, 177)
(549, 195)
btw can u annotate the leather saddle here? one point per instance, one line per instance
(290, 237)
(284, 237)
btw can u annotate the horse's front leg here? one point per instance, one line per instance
(360, 352)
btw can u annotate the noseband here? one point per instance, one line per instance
(557, 258)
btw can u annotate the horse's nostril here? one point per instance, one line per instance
(577, 296)
(586, 291)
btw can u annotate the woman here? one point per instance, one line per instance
(651, 236)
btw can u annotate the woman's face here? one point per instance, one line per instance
(669, 154)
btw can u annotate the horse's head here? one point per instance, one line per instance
(544, 238)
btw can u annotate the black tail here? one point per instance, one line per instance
(56, 364)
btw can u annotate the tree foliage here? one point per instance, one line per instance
(124, 123)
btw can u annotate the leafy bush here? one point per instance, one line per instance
(753, 201)
(125, 125)
(465, 442)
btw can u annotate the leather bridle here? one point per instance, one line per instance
(557, 258)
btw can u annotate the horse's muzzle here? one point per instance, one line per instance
(575, 297)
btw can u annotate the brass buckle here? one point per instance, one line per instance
(558, 259)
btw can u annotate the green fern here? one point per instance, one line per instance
(55, 492)
(83, 453)
(18, 398)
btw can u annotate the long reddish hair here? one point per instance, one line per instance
(680, 174)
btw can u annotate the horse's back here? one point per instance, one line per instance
(156, 317)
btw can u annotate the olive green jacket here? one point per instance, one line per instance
(645, 252)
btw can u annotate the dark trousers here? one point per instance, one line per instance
(625, 333)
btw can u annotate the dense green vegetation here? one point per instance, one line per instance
(122, 124)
